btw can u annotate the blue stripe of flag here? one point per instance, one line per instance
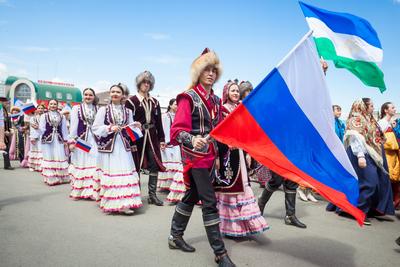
(81, 144)
(283, 121)
(343, 23)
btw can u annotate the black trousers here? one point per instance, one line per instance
(151, 161)
(6, 157)
(201, 189)
(276, 181)
(21, 147)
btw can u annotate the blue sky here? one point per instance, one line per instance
(98, 43)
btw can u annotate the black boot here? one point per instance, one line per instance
(211, 223)
(178, 226)
(290, 203)
(218, 246)
(7, 164)
(224, 261)
(263, 199)
(153, 199)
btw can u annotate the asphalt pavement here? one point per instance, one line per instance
(42, 226)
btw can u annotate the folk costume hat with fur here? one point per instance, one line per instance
(207, 58)
(145, 76)
(17, 108)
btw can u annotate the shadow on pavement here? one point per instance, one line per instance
(16, 200)
(315, 250)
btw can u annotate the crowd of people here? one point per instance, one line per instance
(103, 151)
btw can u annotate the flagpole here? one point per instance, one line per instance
(308, 34)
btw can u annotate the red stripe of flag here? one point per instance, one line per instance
(253, 139)
(81, 145)
(29, 109)
(132, 134)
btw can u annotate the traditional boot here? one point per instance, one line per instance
(7, 164)
(224, 261)
(211, 223)
(153, 199)
(290, 203)
(310, 195)
(302, 193)
(263, 199)
(178, 226)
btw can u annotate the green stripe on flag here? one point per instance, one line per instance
(368, 72)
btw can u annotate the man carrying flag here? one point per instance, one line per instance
(306, 150)
(199, 111)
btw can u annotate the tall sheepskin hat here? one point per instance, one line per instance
(206, 58)
(145, 75)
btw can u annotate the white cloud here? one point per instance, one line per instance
(396, 1)
(57, 80)
(101, 86)
(38, 49)
(158, 36)
(3, 71)
(22, 73)
(72, 48)
(6, 3)
(98, 86)
(13, 60)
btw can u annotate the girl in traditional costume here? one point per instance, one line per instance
(238, 210)
(83, 165)
(363, 141)
(35, 152)
(54, 136)
(392, 151)
(119, 180)
(172, 179)
(18, 129)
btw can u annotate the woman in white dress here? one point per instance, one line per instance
(172, 179)
(119, 180)
(83, 165)
(35, 153)
(54, 136)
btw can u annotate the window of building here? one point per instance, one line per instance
(49, 94)
(23, 92)
(59, 95)
(69, 96)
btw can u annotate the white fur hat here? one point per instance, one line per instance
(206, 58)
(145, 75)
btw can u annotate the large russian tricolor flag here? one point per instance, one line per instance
(287, 124)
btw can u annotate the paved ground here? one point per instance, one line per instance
(41, 226)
